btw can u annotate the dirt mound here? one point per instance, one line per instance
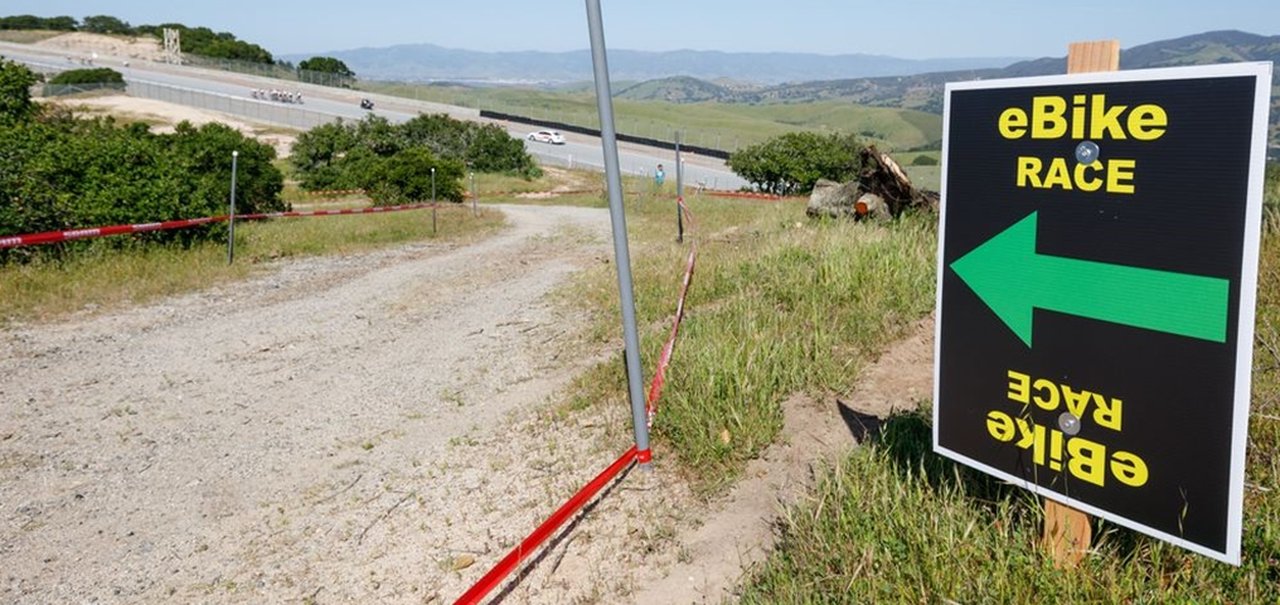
(143, 47)
(164, 116)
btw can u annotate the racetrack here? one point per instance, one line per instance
(578, 151)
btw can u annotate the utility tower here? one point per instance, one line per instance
(172, 46)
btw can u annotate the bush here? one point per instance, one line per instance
(16, 81)
(62, 23)
(924, 160)
(106, 24)
(326, 70)
(791, 163)
(97, 75)
(344, 155)
(407, 177)
(64, 173)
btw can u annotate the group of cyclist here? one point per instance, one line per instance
(282, 96)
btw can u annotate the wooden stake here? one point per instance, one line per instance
(1067, 533)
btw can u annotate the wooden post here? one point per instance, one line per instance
(1067, 533)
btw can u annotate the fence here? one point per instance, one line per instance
(273, 70)
(62, 90)
(260, 110)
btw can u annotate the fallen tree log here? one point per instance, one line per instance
(882, 190)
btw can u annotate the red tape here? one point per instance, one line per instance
(334, 192)
(660, 374)
(743, 194)
(544, 531)
(53, 237)
(548, 527)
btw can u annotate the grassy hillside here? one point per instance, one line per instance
(713, 124)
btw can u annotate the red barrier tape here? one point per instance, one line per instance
(743, 194)
(660, 374)
(544, 531)
(334, 192)
(567, 510)
(52, 237)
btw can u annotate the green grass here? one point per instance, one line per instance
(727, 126)
(893, 522)
(100, 275)
(780, 304)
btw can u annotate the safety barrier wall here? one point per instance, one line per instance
(595, 132)
(259, 110)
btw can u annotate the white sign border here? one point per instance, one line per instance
(1261, 71)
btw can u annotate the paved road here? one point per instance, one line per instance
(578, 151)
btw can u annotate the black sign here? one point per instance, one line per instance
(1099, 253)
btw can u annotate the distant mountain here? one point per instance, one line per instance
(924, 91)
(680, 89)
(426, 62)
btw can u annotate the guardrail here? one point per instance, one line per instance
(595, 132)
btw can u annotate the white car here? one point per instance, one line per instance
(547, 136)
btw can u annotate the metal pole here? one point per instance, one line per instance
(433, 200)
(679, 192)
(613, 178)
(231, 218)
(475, 210)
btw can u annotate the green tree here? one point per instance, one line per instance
(407, 177)
(793, 162)
(344, 155)
(205, 154)
(62, 23)
(207, 43)
(326, 70)
(106, 24)
(491, 149)
(60, 173)
(16, 81)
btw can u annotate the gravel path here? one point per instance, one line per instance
(335, 430)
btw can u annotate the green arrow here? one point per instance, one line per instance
(1007, 274)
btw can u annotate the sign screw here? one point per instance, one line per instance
(1069, 423)
(1087, 152)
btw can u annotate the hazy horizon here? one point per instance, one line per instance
(927, 29)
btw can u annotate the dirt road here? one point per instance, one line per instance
(340, 429)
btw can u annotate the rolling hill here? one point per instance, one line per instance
(428, 62)
(924, 92)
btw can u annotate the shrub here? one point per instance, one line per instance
(66, 173)
(924, 160)
(793, 162)
(16, 81)
(97, 75)
(343, 155)
(407, 177)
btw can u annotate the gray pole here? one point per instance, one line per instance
(475, 211)
(679, 192)
(433, 200)
(613, 178)
(231, 218)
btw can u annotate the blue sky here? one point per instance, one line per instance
(913, 29)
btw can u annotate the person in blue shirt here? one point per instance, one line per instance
(659, 176)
